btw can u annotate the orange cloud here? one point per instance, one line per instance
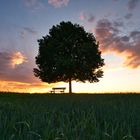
(17, 58)
(14, 68)
(13, 86)
(127, 46)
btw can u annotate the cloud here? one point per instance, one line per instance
(13, 86)
(27, 30)
(5, 61)
(30, 30)
(128, 16)
(35, 4)
(110, 39)
(15, 67)
(17, 58)
(132, 4)
(117, 23)
(91, 18)
(82, 16)
(58, 3)
(87, 17)
(11, 60)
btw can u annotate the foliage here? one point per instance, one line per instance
(68, 53)
(69, 117)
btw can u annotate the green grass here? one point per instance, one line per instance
(69, 117)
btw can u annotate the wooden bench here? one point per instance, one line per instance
(58, 89)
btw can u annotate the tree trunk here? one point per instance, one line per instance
(70, 86)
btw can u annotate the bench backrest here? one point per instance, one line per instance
(58, 88)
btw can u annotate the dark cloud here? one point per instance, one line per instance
(110, 39)
(132, 4)
(125, 38)
(5, 61)
(91, 18)
(118, 23)
(29, 30)
(128, 16)
(135, 34)
(87, 17)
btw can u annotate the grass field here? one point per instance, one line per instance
(69, 117)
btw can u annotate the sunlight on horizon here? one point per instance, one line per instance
(116, 79)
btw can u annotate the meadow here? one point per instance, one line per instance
(69, 117)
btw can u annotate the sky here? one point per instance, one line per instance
(114, 23)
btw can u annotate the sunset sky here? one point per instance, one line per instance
(115, 24)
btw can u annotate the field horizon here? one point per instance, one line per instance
(65, 93)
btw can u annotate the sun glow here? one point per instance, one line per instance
(38, 87)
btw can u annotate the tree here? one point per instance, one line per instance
(68, 53)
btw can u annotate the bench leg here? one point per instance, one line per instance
(52, 91)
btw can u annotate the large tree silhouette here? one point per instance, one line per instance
(68, 53)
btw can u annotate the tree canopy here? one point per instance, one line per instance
(68, 53)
